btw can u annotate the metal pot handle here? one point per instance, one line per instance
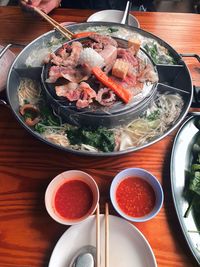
(4, 103)
(196, 89)
(191, 55)
(196, 97)
(3, 51)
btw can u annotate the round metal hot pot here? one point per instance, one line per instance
(173, 78)
(117, 115)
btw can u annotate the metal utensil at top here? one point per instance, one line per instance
(126, 13)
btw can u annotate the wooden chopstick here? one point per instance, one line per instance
(97, 237)
(106, 235)
(55, 24)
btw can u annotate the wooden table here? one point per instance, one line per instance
(27, 234)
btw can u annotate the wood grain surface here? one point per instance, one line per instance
(27, 233)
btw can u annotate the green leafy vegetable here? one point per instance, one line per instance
(26, 102)
(28, 115)
(152, 51)
(48, 119)
(101, 138)
(194, 183)
(56, 41)
(40, 127)
(158, 55)
(195, 167)
(153, 115)
(111, 30)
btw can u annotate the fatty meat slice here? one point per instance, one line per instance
(109, 54)
(70, 91)
(71, 74)
(103, 39)
(87, 95)
(127, 56)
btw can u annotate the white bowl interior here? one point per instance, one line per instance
(113, 16)
(61, 179)
(5, 63)
(137, 172)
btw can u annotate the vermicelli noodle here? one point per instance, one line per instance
(58, 138)
(156, 120)
(28, 92)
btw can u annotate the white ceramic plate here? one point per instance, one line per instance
(128, 247)
(112, 15)
(183, 149)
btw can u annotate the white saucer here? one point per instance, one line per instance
(112, 15)
(128, 246)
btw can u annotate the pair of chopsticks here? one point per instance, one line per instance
(55, 24)
(106, 236)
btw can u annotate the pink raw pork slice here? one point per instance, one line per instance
(5, 63)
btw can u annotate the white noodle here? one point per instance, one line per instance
(142, 130)
(28, 91)
(165, 110)
(58, 138)
(88, 148)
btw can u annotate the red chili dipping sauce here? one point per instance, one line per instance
(135, 197)
(73, 199)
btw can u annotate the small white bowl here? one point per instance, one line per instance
(57, 182)
(148, 177)
(112, 15)
(5, 63)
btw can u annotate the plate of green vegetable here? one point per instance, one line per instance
(185, 181)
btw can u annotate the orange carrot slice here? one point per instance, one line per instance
(81, 35)
(123, 93)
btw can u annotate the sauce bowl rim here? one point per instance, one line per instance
(55, 184)
(148, 177)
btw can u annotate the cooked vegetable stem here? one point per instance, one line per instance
(189, 207)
